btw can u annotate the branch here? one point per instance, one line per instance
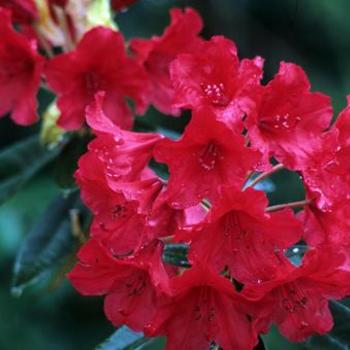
(288, 205)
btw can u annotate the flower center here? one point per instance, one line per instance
(293, 299)
(232, 226)
(119, 212)
(136, 285)
(93, 82)
(280, 122)
(216, 94)
(203, 309)
(208, 156)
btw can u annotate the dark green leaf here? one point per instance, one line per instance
(261, 345)
(67, 162)
(153, 344)
(47, 243)
(339, 337)
(124, 339)
(160, 169)
(21, 162)
(176, 254)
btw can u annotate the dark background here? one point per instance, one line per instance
(312, 33)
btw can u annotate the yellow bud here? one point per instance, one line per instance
(51, 134)
(99, 13)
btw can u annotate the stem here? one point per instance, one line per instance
(296, 204)
(264, 175)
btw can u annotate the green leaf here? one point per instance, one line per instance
(20, 162)
(176, 254)
(67, 162)
(261, 345)
(153, 344)
(160, 169)
(124, 339)
(47, 243)
(339, 337)
(274, 340)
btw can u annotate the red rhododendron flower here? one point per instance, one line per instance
(324, 167)
(201, 257)
(213, 77)
(331, 226)
(128, 284)
(298, 300)
(323, 185)
(125, 154)
(342, 125)
(204, 309)
(156, 54)
(112, 176)
(289, 117)
(238, 234)
(211, 153)
(20, 70)
(78, 75)
(326, 177)
(23, 11)
(116, 220)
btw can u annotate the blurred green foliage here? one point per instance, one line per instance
(312, 33)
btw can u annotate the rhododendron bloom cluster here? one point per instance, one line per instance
(238, 277)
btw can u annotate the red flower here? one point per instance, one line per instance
(78, 75)
(23, 11)
(326, 169)
(238, 234)
(125, 154)
(128, 284)
(290, 118)
(116, 222)
(207, 156)
(204, 309)
(339, 165)
(20, 70)
(157, 53)
(298, 300)
(331, 226)
(321, 179)
(213, 77)
(122, 4)
(116, 183)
